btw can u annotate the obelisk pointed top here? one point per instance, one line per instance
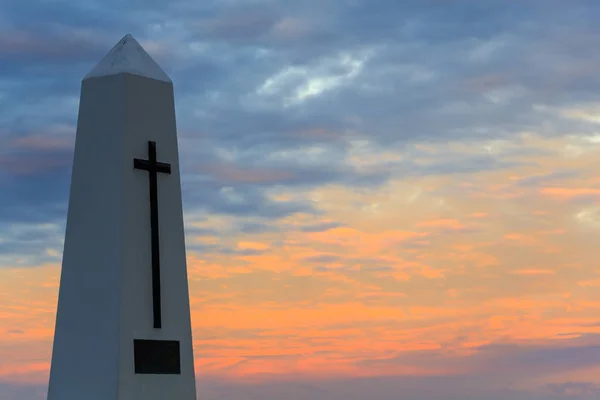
(128, 56)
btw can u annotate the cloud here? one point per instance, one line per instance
(27, 46)
(545, 179)
(384, 388)
(570, 193)
(240, 24)
(388, 388)
(342, 86)
(371, 188)
(321, 227)
(25, 391)
(232, 201)
(506, 362)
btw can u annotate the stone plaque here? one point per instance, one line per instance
(156, 356)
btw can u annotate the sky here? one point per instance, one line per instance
(383, 199)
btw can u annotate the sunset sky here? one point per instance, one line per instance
(383, 199)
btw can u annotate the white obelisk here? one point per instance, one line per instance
(123, 327)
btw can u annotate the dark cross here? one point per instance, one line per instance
(154, 167)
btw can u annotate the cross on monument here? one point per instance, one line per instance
(153, 167)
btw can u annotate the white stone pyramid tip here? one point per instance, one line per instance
(128, 56)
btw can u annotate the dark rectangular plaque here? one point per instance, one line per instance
(156, 356)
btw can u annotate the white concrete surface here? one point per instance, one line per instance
(128, 56)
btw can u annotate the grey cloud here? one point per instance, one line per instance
(571, 389)
(29, 242)
(507, 361)
(376, 388)
(238, 224)
(41, 197)
(324, 258)
(242, 252)
(244, 23)
(584, 200)
(414, 244)
(26, 46)
(291, 175)
(322, 268)
(227, 200)
(386, 388)
(34, 176)
(196, 231)
(22, 391)
(207, 251)
(257, 227)
(423, 71)
(538, 180)
(321, 227)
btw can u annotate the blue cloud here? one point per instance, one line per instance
(253, 80)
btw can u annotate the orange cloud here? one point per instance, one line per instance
(570, 193)
(534, 272)
(322, 294)
(441, 223)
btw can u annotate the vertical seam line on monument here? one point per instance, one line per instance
(124, 269)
